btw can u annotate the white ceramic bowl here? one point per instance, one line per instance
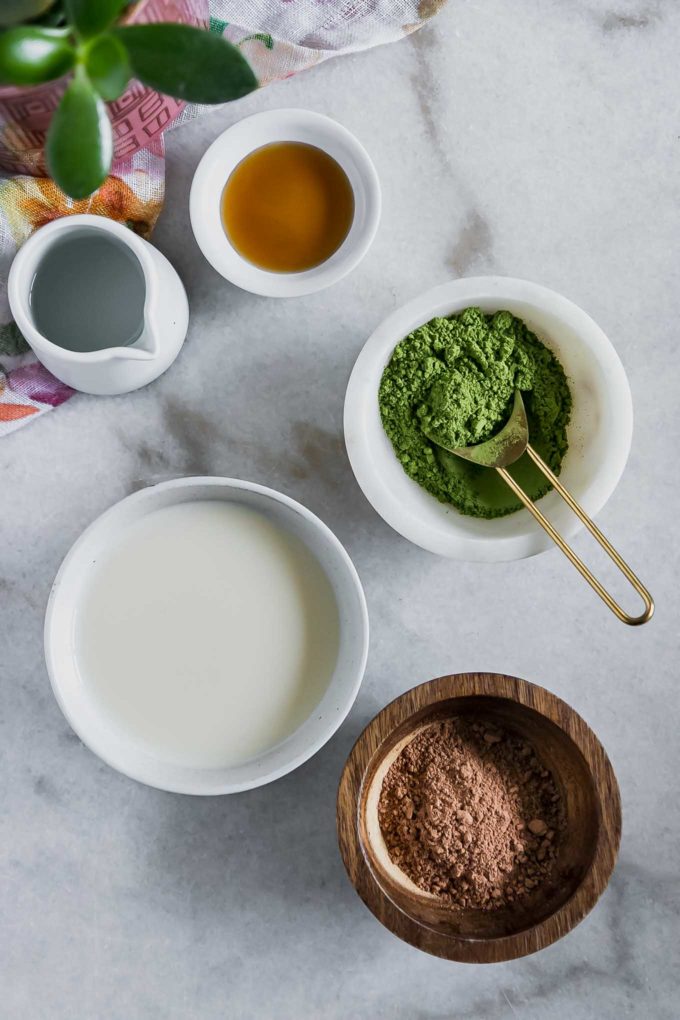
(121, 752)
(278, 126)
(600, 432)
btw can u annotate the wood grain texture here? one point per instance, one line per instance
(587, 853)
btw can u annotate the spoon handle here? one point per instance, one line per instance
(569, 552)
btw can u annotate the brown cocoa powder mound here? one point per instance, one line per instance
(471, 814)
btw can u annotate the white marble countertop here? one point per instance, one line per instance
(533, 139)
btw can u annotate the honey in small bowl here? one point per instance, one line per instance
(287, 207)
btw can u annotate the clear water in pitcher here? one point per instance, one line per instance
(88, 293)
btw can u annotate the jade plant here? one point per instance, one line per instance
(41, 40)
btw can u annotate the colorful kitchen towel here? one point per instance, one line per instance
(279, 38)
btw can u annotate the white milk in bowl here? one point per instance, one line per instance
(207, 633)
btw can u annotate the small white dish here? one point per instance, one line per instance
(600, 431)
(121, 751)
(233, 145)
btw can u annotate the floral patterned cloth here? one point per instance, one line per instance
(278, 38)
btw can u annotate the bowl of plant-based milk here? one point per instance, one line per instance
(206, 635)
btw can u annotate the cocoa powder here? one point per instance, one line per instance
(469, 813)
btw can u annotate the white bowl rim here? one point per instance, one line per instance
(244, 137)
(361, 400)
(198, 781)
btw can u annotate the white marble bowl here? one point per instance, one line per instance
(600, 431)
(233, 145)
(117, 748)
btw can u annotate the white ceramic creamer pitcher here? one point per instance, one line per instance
(111, 369)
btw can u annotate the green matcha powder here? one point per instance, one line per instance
(455, 379)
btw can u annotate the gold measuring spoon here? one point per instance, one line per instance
(507, 447)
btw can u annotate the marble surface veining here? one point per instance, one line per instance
(537, 139)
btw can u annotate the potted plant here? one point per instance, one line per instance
(85, 81)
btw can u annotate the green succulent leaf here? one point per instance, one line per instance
(107, 65)
(79, 141)
(14, 11)
(91, 17)
(187, 63)
(30, 54)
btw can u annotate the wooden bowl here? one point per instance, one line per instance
(586, 854)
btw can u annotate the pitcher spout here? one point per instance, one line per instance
(143, 349)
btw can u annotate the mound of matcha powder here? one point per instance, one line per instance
(455, 379)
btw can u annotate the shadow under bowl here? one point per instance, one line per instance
(586, 853)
